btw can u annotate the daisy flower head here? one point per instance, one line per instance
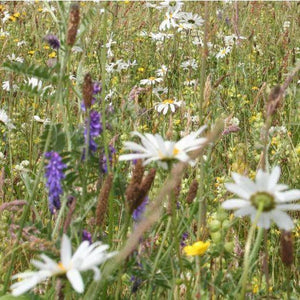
(155, 148)
(265, 192)
(190, 21)
(159, 91)
(171, 5)
(6, 120)
(151, 81)
(161, 72)
(223, 52)
(169, 21)
(166, 105)
(189, 64)
(86, 257)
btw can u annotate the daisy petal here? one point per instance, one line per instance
(76, 281)
(282, 219)
(234, 203)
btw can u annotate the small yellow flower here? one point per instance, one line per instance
(198, 248)
(31, 52)
(16, 15)
(255, 88)
(141, 70)
(12, 18)
(52, 54)
(46, 47)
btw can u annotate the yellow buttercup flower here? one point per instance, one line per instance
(198, 248)
(52, 54)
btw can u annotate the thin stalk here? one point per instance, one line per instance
(247, 253)
(60, 214)
(203, 59)
(158, 256)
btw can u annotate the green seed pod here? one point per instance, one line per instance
(222, 215)
(214, 225)
(226, 224)
(229, 246)
(216, 237)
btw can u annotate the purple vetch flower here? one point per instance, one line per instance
(54, 175)
(86, 236)
(136, 282)
(95, 129)
(137, 213)
(97, 87)
(184, 237)
(103, 159)
(53, 41)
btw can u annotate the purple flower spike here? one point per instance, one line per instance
(95, 129)
(54, 175)
(97, 87)
(103, 159)
(53, 41)
(137, 213)
(86, 236)
(184, 237)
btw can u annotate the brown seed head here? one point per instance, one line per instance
(287, 248)
(74, 18)
(192, 191)
(87, 90)
(103, 200)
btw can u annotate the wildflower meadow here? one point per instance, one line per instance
(150, 150)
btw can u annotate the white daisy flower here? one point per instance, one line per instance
(154, 148)
(190, 21)
(190, 63)
(86, 257)
(161, 72)
(13, 57)
(166, 105)
(169, 21)
(230, 40)
(160, 36)
(266, 192)
(223, 52)
(159, 91)
(5, 119)
(151, 81)
(3, 33)
(171, 5)
(21, 43)
(190, 82)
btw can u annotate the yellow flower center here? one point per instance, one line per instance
(152, 78)
(223, 51)
(175, 151)
(168, 101)
(62, 267)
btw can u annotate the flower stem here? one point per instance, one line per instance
(247, 253)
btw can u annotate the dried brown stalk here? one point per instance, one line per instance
(69, 215)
